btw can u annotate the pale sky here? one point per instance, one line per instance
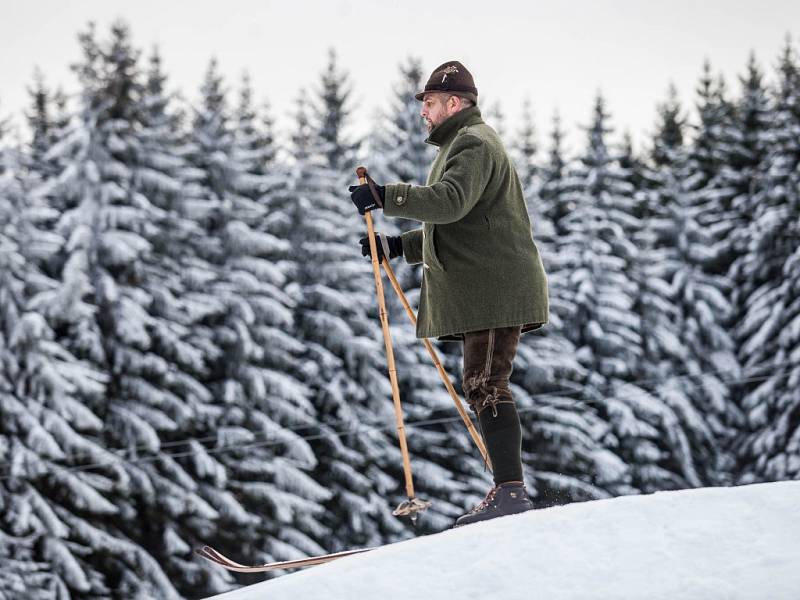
(558, 54)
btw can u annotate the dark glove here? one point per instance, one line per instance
(364, 200)
(394, 242)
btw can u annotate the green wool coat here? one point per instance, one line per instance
(482, 269)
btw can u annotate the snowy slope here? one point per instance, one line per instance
(706, 544)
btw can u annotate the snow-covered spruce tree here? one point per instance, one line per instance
(42, 392)
(543, 193)
(132, 312)
(25, 444)
(768, 273)
(260, 398)
(181, 352)
(714, 176)
(672, 297)
(597, 248)
(714, 220)
(659, 258)
(670, 132)
(331, 107)
(555, 188)
(656, 239)
(630, 161)
(754, 118)
(255, 146)
(47, 117)
(151, 404)
(733, 132)
(80, 500)
(56, 412)
(648, 433)
(706, 221)
(41, 123)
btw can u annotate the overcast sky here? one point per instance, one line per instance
(558, 54)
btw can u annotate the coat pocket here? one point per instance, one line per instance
(430, 257)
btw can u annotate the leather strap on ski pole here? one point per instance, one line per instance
(384, 243)
(372, 188)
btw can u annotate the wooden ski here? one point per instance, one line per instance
(216, 557)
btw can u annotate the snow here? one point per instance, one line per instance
(704, 544)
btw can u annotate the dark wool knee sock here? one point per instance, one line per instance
(503, 437)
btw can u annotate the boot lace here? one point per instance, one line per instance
(484, 504)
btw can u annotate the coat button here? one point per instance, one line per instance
(399, 200)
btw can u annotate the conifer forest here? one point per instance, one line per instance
(190, 349)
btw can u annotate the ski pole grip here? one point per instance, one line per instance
(363, 177)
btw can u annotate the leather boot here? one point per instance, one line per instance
(507, 498)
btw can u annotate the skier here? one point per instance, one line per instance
(483, 280)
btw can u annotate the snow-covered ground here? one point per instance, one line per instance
(706, 544)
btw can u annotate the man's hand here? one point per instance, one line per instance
(393, 242)
(364, 200)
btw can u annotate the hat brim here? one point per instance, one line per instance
(468, 95)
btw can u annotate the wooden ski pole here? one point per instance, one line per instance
(413, 504)
(445, 377)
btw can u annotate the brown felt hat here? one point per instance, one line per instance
(452, 77)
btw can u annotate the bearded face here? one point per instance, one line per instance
(438, 107)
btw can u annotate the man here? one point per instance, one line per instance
(483, 280)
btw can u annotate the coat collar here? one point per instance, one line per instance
(445, 131)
